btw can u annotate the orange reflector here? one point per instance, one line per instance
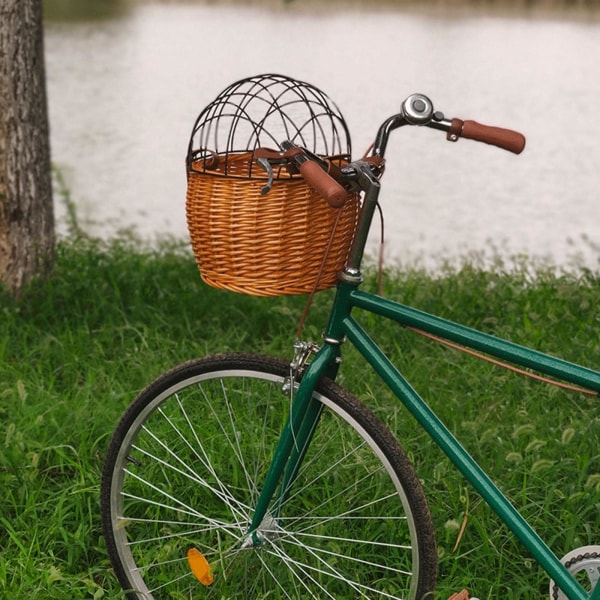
(199, 566)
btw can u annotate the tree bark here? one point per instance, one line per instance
(27, 238)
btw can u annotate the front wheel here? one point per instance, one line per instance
(184, 469)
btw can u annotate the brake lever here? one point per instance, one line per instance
(264, 164)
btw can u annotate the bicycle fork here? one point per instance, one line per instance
(291, 448)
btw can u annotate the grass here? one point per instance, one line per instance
(76, 349)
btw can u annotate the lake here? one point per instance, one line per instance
(127, 79)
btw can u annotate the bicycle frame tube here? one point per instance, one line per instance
(470, 338)
(295, 437)
(343, 324)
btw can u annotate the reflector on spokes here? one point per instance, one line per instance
(199, 566)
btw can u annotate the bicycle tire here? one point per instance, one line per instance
(181, 472)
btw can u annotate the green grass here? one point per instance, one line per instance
(76, 349)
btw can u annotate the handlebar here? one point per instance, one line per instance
(417, 109)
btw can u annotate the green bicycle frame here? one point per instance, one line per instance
(344, 326)
(474, 474)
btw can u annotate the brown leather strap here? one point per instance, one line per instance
(455, 130)
(276, 155)
(279, 157)
(378, 162)
(333, 169)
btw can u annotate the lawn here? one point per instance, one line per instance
(76, 349)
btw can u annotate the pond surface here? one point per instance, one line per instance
(126, 81)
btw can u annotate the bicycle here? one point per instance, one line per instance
(245, 476)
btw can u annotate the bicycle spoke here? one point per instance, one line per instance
(330, 469)
(296, 540)
(227, 434)
(204, 459)
(299, 571)
(220, 493)
(329, 570)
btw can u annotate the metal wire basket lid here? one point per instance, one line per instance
(262, 111)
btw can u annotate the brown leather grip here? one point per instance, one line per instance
(322, 182)
(513, 141)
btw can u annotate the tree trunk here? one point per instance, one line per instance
(26, 210)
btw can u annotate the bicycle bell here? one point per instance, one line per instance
(417, 109)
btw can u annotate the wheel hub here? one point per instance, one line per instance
(269, 530)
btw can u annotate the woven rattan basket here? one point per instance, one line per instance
(289, 240)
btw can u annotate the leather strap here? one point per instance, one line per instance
(455, 130)
(276, 155)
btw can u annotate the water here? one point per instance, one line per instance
(127, 82)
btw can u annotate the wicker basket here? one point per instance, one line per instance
(269, 245)
(288, 241)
